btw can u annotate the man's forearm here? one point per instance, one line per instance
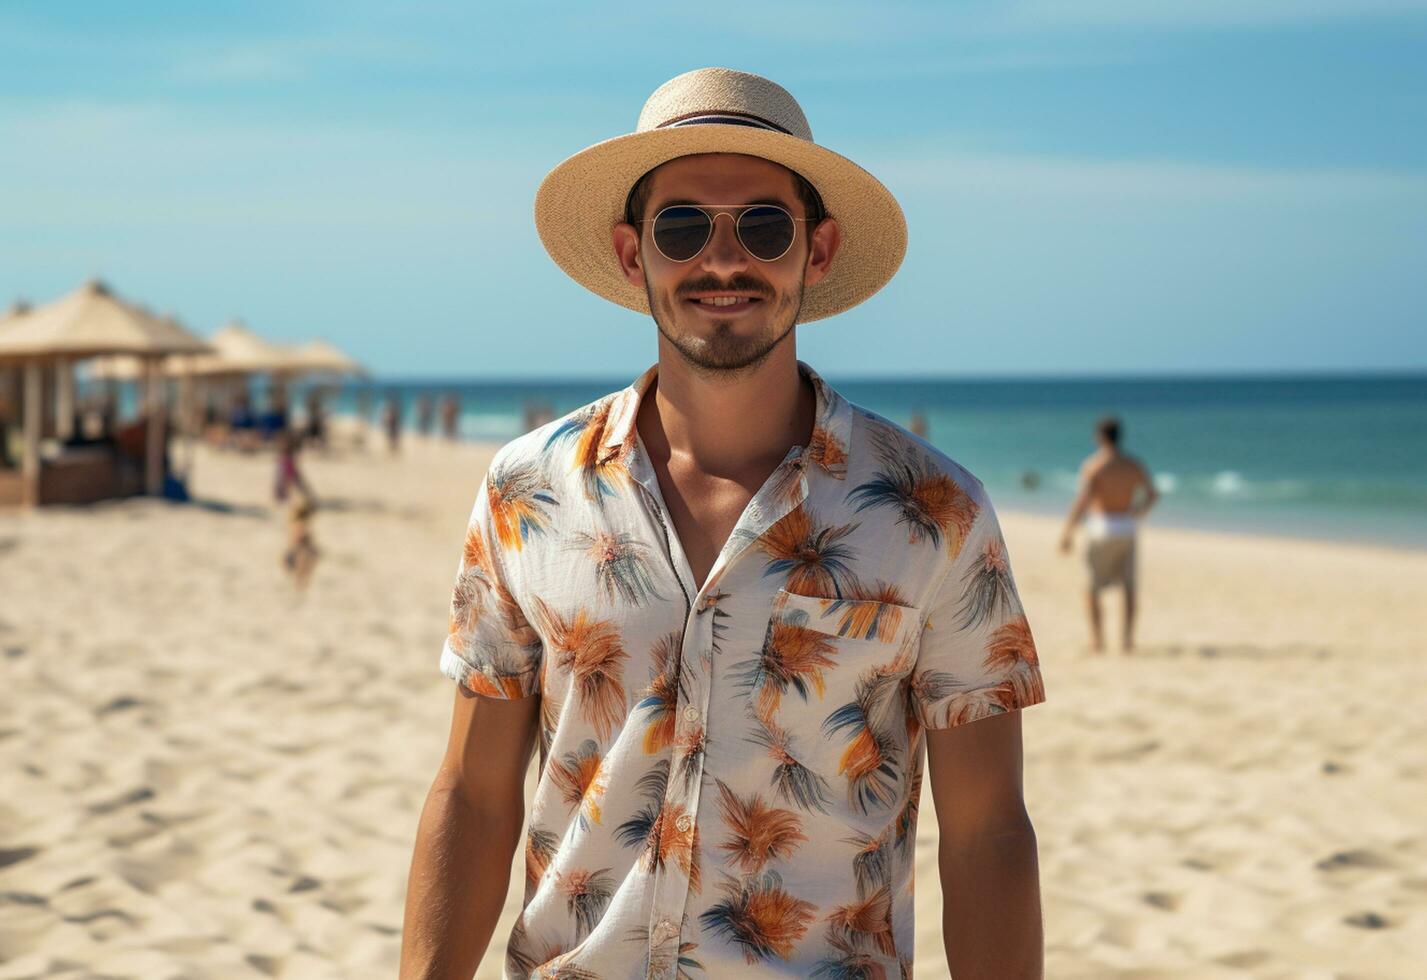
(991, 907)
(459, 874)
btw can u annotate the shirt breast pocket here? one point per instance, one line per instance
(829, 683)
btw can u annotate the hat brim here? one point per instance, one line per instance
(581, 200)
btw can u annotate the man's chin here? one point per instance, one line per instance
(723, 345)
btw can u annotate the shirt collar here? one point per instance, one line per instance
(832, 426)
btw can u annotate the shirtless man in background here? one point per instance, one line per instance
(1111, 503)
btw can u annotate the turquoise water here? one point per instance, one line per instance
(1336, 457)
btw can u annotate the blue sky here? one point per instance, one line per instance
(1095, 187)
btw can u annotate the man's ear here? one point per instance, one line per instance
(823, 243)
(626, 248)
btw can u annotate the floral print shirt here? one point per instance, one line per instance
(729, 774)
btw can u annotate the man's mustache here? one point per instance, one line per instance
(737, 284)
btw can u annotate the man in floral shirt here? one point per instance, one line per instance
(731, 609)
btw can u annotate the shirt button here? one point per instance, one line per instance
(691, 713)
(664, 930)
(684, 823)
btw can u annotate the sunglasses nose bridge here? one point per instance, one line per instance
(727, 248)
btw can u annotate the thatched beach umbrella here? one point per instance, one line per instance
(89, 322)
(322, 358)
(236, 350)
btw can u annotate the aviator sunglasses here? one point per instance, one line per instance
(766, 231)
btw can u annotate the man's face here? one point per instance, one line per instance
(766, 295)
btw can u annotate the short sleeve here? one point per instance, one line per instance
(977, 657)
(490, 647)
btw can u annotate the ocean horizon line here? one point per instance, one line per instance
(1254, 376)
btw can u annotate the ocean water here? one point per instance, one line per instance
(1334, 457)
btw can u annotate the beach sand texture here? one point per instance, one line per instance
(200, 778)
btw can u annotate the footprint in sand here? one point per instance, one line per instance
(269, 966)
(1367, 920)
(137, 795)
(1161, 900)
(1346, 860)
(14, 855)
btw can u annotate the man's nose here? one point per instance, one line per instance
(724, 252)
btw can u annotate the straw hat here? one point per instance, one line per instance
(718, 110)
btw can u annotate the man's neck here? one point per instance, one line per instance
(722, 425)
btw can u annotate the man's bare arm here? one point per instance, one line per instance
(990, 876)
(469, 829)
(1078, 506)
(1151, 494)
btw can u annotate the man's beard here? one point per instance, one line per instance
(724, 351)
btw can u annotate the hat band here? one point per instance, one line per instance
(723, 119)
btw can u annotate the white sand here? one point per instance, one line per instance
(199, 778)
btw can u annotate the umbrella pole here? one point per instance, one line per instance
(64, 399)
(153, 475)
(30, 461)
(188, 414)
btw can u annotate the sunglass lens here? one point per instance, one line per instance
(767, 232)
(681, 232)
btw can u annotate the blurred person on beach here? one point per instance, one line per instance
(1115, 492)
(316, 418)
(300, 556)
(391, 422)
(364, 416)
(730, 608)
(451, 416)
(424, 414)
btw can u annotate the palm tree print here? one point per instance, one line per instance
(825, 450)
(590, 649)
(762, 733)
(587, 894)
(549, 721)
(666, 955)
(759, 916)
(654, 828)
(871, 866)
(794, 782)
(865, 924)
(689, 756)
(1012, 649)
(973, 705)
(521, 956)
(990, 594)
(871, 760)
(472, 585)
(848, 964)
(758, 832)
(560, 970)
(600, 475)
(540, 847)
(905, 828)
(930, 503)
(520, 501)
(581, 779)
(792, 656)
(499, 673)
(811, 556)
(869, 612)
(926, 688)
(621, 566)
(661, 698)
